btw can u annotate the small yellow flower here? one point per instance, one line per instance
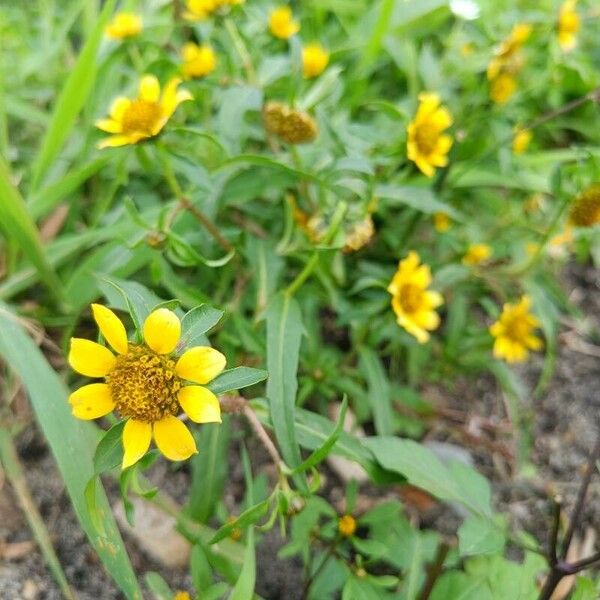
(521, 140)
(467, 49)
(198, 61)
(199, 10)
(427, 145)
(515, 332)
(441, 222)
(502, 88)
(569, 23)
(182, 596)
(412, 302)
(282, 24)
(476, 254)
(124, 25)
(507, 58)
(562, 239)
(146, 383)
(359, 235)
(314, 60)
(585, 210)
(143, 117)
(291, 125)
(347, 525)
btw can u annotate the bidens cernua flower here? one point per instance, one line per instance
(427, 144)
(347, 525)
(133, 120)
(521, 140)
(198, 61)
(569, 23)
(585, 210)
(199, 10)
(515, 332)
(291, 125)
(476, 254)
(124, 25)
(146, 383)
(412, 302)
(314, 60)
(282, 24)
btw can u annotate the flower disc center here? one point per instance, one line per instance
(410, 297)
(426, 137)
(141, 116)
(144, 385)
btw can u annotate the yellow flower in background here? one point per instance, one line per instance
(314, 60)
(515, 332)
(199, 10)
(347, 525)
(282, 24)
(441, 222)
(412, 302)
(476, 254)
(124, 25)
(182, 596)
(198, 61)
(507, 57)
(467, 49)
(146, 383)
(133, 120)
(427, 145)
(585, 210)
(359, 235)
(562, 239)
(521, 140)
(291, 125)
(502, 88)
(569, 23)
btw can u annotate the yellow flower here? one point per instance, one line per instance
(569, 23)
(143, 117)
(502, 88)
(412, 302)
(467, 49)
(585, 210)
(359, 235)
(427, 146)
(314, 60)
(282, 24)
(562, 239)
(198, 61)
(521, 140)
(515, 332)
(476, 254)
(146, 383)
(347, 525)
(441, 222)
(182, 596)
(291, 125)
(199, 10)
(507, 58)
(124, 25)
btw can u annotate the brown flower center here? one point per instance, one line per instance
(410, 297)
(144, 385)
(141, 116)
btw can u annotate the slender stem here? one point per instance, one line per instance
(553, 550)
(552, 581)
(242, 50)
(329, 553)
(434, 571)
(263, 436)
(584, 563)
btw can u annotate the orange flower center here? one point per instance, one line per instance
(144, 385)
(141, 116)
(517, 329)
(410, 297)
(426, 138)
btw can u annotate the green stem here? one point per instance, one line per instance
(242, 50)
(14, 472)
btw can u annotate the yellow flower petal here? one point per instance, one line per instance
(91, 401)
(116, 140)
(200, 404)
(109, 125)
(162, 330)
(149, 88)
(136, 441)
(111, 328)
(118, 107)
(90, 359)
(174, 439)
(200, 364)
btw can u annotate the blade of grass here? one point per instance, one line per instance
(17, 225)
(71, 100)
(14, 471)
(69, 443)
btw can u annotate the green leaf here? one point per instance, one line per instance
(379, 391)
(236, 379)
(72, 98)
(480, 536)
(249, 516)
(69, 443)
(158, 586)
(196, 323)
(423, 469)
(200, 570)
(422, 199)
(284, 334)
(109, 451)
(17, 224)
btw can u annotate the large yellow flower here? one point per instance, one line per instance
(427, 145)
(569, 23)
(133, 120)
(515, 332)
(146, 383)
(282, 23)
(124, 25)
(198, 61)
(314, 60)
(412, 302)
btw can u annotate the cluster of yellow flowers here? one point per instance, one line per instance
(506, 64)
(568, 25)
